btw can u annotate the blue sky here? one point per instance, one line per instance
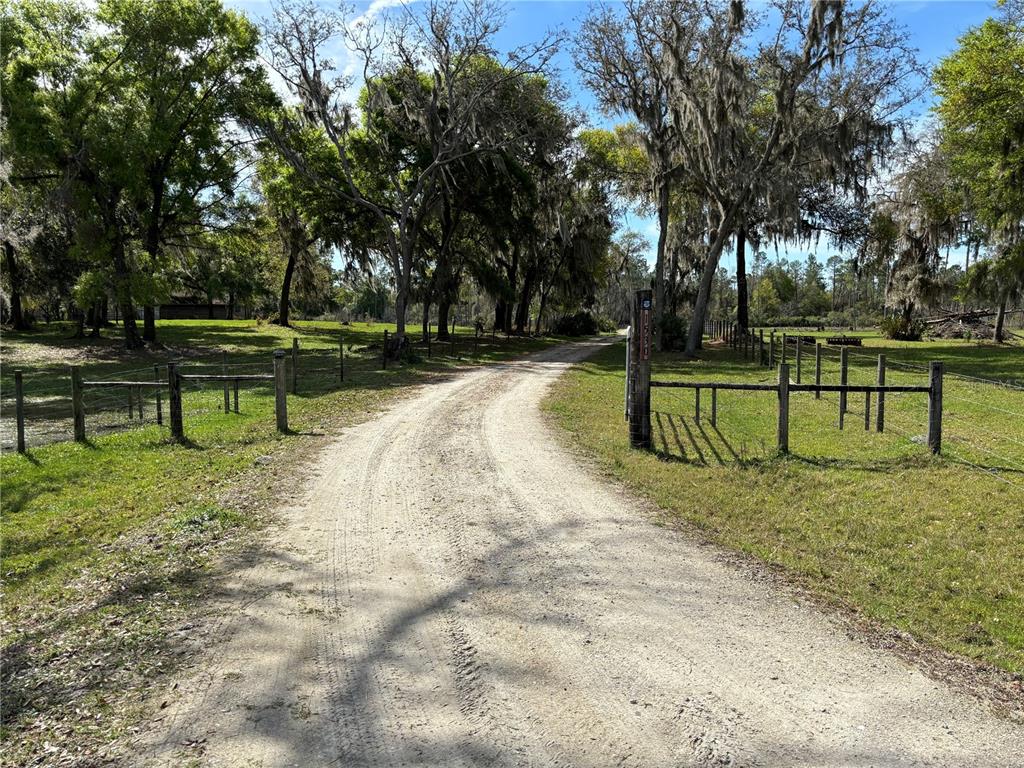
(933, 27)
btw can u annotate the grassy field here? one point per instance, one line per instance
(106, 544)
(929, 545)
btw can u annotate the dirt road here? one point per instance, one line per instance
(453, 589)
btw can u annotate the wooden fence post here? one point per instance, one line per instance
(880, 409)
(935, 407)
(19, 409)
(844, 373)
(280, 392)
(384, 352)
(696, 405)
(159, 398)
(817, 369)
(639, 404)
(295, 367)
(771, 350)
(761, 360)
(131, 404)
(799, 359)
(785, 351)
(235, 388)
(77, 409)
(867, 411)
(174, 396)
(714, 407)
(227, 386)
(341, 360)
(783, 432)
(138, 394)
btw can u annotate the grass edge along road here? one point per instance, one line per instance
(108, 546)
(929, 546)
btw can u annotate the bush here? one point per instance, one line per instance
(673, 333)
(580, 324)
(606, 324)
(901, 329)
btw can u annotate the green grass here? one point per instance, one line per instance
(107, 544)
(929, 545)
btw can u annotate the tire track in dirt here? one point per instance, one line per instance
(454, 589)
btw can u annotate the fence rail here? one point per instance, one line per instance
(753, 347)
(43, 408)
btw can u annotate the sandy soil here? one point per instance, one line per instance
(453, 588)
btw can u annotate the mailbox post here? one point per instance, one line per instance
(639, 372)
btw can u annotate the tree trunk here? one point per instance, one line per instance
(18, 322)
(123, 293)
(426, 319)
(149, 322)
(79, 316)
(499, 315)
(286, 289)
(540, 309)
(401, 305)
(231, 305)
(659, 264)
(525, 298)
(1000, 319)
(707, 278)
(94, 320)
(742, 301)
(444, 307)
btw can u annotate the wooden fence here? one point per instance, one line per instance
(774, 352)
(173, 385)
(142, 398)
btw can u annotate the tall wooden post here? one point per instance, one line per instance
(771, 350)
(19, 409)
(760, 349)
(867, 411)
(174, 397)
(235, 388)
(935, 407)
(227, 384)
(696, 405)
(77, 407)
(817, 369)
(384, 352)
(844, 374)
(783, 431)
(159, 398)
(799, 359)
(785, 344)
(295, 366)
(880, 410)
(714, 407)
(280, 392)
(639, 404)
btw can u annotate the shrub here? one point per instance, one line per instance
(606, 324)
(673, 332)
(579, 324)
(901, 329)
